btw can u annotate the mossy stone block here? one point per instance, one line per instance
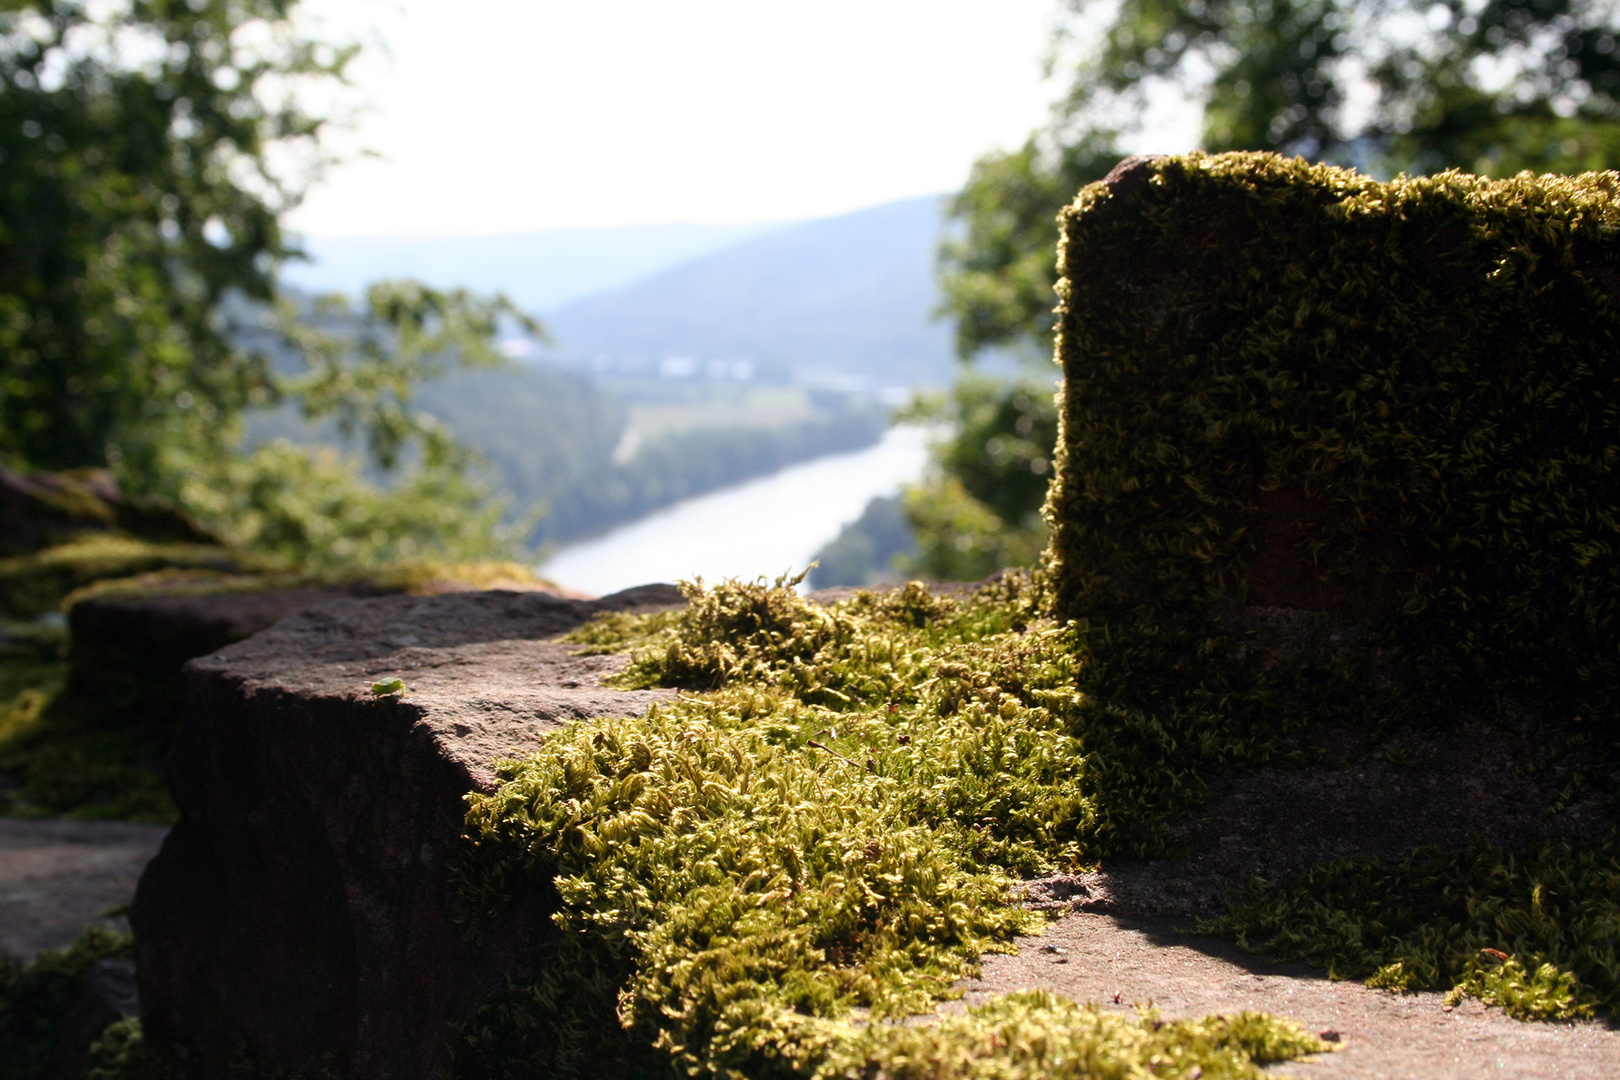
(1393, 403)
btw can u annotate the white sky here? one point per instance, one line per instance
(504, 115)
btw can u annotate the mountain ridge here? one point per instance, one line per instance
(852, 297)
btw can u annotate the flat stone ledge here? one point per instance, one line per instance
(302, 911)
(57, 877)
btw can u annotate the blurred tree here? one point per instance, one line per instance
(148, 150)
(1491, 86)
(978, 508)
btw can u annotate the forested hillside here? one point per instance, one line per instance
(595, 459)
(844, 298)
(592, 458)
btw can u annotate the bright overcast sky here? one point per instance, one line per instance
(504, 115)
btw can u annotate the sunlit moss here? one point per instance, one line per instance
(1290, 383)
(822, 837)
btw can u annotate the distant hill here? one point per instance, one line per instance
(845, 299)
(539, 270)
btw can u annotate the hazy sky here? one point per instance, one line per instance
(504, 115)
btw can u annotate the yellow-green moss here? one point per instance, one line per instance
(254, 575)
(31, 585)
(755, 879)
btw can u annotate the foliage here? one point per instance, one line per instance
(832, 824)
(150, 148)
(979, 508)
(865, 550)
(136, 141)
(35, 997)
(1491, 86)
(997, 271)
(123, 1053)
(1533, 934)
(1393, 401)
(356, 370)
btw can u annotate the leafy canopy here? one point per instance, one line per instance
(149, 149)
(1489, 86)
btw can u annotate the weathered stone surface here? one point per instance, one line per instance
(301, 911)
(57, 877)
(127, 651)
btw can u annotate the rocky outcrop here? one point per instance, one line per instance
(301, 913)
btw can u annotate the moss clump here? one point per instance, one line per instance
(1535, 935)
(750, 879)
(35, 999)
(1394, 402)
(1035, 1036)
(31, 585)
(54, 748)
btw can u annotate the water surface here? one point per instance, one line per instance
(770, 526)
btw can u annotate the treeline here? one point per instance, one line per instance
(550, 436)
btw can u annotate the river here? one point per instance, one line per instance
(763, 528)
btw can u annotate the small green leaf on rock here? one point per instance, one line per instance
(388, 686)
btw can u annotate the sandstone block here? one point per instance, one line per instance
(301, 912)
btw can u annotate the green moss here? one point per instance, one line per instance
(60, 758)
(1535, 935)
(60, 755)
(35, 999)
(31, 585)
(753, 879)
(1396, 402)
(1034, 1036)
